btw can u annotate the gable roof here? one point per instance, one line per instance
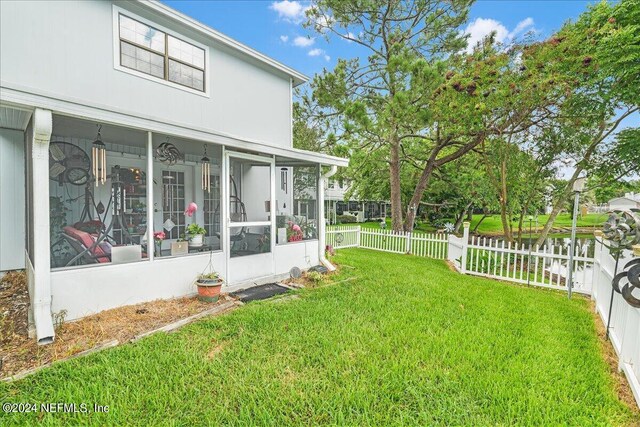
(297, 77)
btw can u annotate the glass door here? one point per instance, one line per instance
(250, 225)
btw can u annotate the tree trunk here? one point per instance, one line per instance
(479, 222)
(419, 192)
(460, 218)
(505, 215)
(394, 175)
(557, 207)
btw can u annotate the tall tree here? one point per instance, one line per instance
(405, 40)
(599, 52)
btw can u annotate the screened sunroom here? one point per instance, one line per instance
(134, 215)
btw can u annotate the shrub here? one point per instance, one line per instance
(346, 219)
(315, 277)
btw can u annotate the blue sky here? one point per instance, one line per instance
(274, 27)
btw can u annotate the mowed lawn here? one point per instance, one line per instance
(407, 342)
(492, 225)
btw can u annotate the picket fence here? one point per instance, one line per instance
(546, 266)
(421, 244)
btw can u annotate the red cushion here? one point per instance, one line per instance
(87, 240)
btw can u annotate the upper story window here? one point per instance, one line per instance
(148, 50)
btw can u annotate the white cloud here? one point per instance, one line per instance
(292, 11)
(351, 36)
(327, 58)
(482, 27)
(323, 23)
(284, 39)
(522, 26)
(301, 41)
(315, 52)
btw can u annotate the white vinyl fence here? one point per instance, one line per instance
(625, 319)
(545, 266)
(420, 244)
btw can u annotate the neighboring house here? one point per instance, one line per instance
(337, 204)
(630, 200)
(114, 117)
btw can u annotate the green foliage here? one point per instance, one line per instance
(316, 278)
(346, 219)
(193, 229)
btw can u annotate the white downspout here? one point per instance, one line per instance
(322, 222)
(41, 298)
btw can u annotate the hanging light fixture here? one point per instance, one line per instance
(206, 171)
(99, 159)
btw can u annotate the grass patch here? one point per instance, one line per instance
(405, 342)
(492, 225)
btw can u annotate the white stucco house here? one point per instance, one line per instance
(116, 116)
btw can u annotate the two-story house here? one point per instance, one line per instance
(127, 132)
(338, 204)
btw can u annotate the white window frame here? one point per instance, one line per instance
(116, 53)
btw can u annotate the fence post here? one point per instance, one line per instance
(358, 235)
(407, 245)
(465, 245)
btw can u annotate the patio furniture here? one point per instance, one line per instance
(87, 246)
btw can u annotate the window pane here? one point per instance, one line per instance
(173, 206)
(297, 208)
(249, 190)
(97, 224)
(249, 240)
(186, 75)
(141, 60)
(141, 34)
(186, 52)
(178, 189)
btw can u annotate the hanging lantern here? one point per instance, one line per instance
(206, 171)
(99, 159)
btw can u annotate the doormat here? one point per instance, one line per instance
(260, 292)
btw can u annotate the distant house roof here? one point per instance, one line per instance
(627, 199)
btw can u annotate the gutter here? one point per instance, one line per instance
(322, 225)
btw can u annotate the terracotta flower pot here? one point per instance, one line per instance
(209, 289)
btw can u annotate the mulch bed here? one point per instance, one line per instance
(18, 352)
(14, 305)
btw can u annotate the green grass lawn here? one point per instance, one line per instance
(492, 225)
(407, 342)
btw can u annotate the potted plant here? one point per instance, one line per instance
(195, 234)
(209, 286)
(158, 237)
(294, 232)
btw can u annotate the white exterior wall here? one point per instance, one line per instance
(300, 254)
(337, 192)
(12, 200)
(623, 203)
(65, 50)
(88, 290)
